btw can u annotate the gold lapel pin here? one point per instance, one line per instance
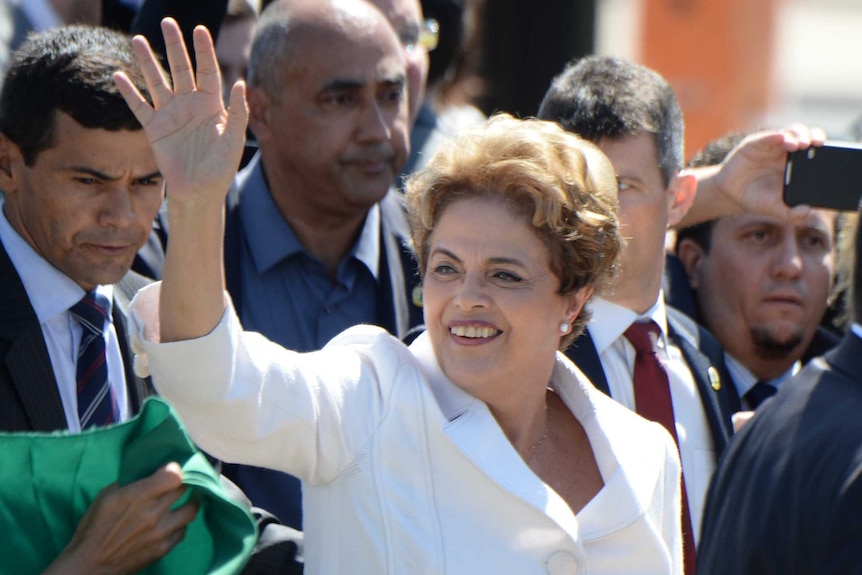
(714, 378)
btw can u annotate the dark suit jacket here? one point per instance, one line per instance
(787, 495)
(701, 352)
(29, 398)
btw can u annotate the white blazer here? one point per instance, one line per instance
(405, 473)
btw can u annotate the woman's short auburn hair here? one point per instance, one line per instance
(563, 184)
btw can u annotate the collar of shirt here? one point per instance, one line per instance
(616, 319)
(744, 380)
(856, 329)
(41, 14)
(51, 292)
(269, 236)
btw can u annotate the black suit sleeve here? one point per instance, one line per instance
(841, 554)
(278, 548)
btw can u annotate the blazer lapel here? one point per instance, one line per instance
(478, 436)
(584, 354)
(710, 378)
(471, 428)
(845, 356)
(124, 290)
(31, 374)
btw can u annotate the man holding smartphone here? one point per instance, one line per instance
(786, 496)
(761, 286)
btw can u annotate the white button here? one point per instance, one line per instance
(562, 563)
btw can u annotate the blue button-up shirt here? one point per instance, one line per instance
(287, 294)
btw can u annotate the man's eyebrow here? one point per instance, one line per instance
(817, 227)
(150, 176)
(339, 85)
(345, 85)
(630, 178)
(397, 80)
(102, 176)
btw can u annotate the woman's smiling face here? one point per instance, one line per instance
(492, 307)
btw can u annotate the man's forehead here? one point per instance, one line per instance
(825, 219)
(344, 75)
(336, 56)
(400, 13)
(371, 33)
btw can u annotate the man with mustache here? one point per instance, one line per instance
(786, 495)
(314, 241)
(761, 286)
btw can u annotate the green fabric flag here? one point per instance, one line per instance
(48, 480)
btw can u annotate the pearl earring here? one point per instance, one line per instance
(564, 327)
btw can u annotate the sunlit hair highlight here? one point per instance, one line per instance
(563, 184)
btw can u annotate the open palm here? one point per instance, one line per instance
(753, 174)
(196, 142)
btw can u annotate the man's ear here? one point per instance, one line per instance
(691, 255)
(683, 187)
(259, 104)
(10, 154)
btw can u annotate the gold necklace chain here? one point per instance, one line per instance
(531, 451)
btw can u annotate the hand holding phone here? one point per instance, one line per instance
(827, 176)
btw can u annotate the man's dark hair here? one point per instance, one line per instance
(712, 154)
(68, 69)
(605, 97)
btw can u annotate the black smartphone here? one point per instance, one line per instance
(827, 176)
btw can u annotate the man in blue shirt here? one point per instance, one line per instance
(315, 239)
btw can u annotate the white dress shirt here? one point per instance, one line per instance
(52, 293)
(697, 452)
(744, 380)
(404, 472)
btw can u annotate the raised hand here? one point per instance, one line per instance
(197, 144)
(752, 176)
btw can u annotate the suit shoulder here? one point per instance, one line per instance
(127, 287)
(683, 326)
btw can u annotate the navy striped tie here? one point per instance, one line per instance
(96, 402)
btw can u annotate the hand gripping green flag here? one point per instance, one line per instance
(48, 480)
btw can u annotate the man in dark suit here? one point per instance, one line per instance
(81, 188)
(761, 285)
(787, 494)
(632, 114)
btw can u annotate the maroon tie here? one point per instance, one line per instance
(652, 401)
